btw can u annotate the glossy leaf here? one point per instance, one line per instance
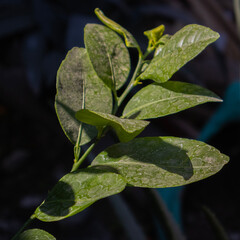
(130, 41)
(157, 100)
(183, 46)
(78, 85)
(78, 190)
(108, 54)
(159, 162)
(162, 43)
(35, 234)
(126, 129)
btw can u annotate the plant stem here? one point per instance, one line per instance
(77, 148)
(77, 164)
(136, 72)
(15, 237)
(131, 83)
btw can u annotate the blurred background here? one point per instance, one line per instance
(35, 36)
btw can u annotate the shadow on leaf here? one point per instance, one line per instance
(78, 190)
(154, 151)
(60, 199)
(90, 131)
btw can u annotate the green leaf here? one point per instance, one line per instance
(126, 129)
(78, 190)
(130, 41)
(79, 87)
(157, 100)
(154, 35)
(183, 46)
(108, 54)
(35, 234)
(162, 43)
(159, 162)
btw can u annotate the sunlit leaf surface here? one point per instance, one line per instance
(78, 190)
(159, 162)
(183, 46)
(158, 100)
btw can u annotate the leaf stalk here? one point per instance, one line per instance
(77, 164)
(15, 237)
(132, 82)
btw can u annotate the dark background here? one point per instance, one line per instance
(34, 152)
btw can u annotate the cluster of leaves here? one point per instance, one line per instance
(87, 104)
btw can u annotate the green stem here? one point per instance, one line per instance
(131, 83)
(136, 72)
(15, 237)
(77, 164)
(77, 148)
(149, 50)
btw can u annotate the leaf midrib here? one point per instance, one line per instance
(172, 53)
(109, 58)
(71, 200)
(162, 100)
(147, 165)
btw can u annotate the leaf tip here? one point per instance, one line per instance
(217, 35)
(216, 98)
(97, 11)
(226, 159)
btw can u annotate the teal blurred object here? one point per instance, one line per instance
(172, 199)
(229, 111)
